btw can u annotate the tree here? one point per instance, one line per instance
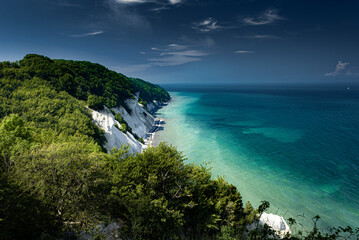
(15, 139)
(21, 215)
(95, 102)
(68, 177)
(156, 195)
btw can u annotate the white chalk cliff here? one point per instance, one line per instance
(139, 119)
(152, 106)
(277, 223)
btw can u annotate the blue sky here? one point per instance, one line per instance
(197, 41)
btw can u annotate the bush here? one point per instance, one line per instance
(95, 102)
(142, 102)
(124, 128)
(157, 196)
(119, 118)
(22, 216)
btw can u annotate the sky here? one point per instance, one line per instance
(192, 41)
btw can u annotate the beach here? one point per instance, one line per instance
(150, 136)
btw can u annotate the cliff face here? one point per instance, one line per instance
(151, 107)
(138, 119)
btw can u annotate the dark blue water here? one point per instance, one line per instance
(298, 149)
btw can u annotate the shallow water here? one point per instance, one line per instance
(298, 151)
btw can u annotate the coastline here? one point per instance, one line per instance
(274, 221)
(158, 124)
(151, 134)
(259, 154)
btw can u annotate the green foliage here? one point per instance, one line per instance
(55, 175)
(95, 102)
(157, 196)
(64, 176)
(51, 114)
(149, 92)
(21, 215)
(141, 140)
(124, 127)
(15, 139)
(82, 79)
(119, 118)
(144, 103)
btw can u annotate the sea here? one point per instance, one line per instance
(297, 148)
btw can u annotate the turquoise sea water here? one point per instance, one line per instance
(297, 150)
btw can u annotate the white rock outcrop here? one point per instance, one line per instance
(277, 223)
(139, 120)
(109, 232)
(115, 138)
(152, 106)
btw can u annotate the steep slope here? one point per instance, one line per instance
(138, 119)
(96, 87)
(115, 138)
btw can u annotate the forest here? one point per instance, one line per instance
(59, 182)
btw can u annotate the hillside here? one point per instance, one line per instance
(58, 180)
(55, 171)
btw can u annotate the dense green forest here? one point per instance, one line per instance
(58, 182)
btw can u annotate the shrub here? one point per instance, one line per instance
(119, 118)
(124, 128)
(95, 102)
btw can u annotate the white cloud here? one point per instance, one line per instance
(130, 1)
(174, 1)
(192, 53)
(260, 36)
(125, 14)
(171, 2)
(87, 34)
(175, 46)
(267, 17)
(173, 60)
(170, 55)
(243, 52)
(124, 17)
(207, 25)
(210, 24)
(340, 67)
(176, 54)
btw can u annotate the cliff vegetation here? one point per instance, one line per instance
(58, 182)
